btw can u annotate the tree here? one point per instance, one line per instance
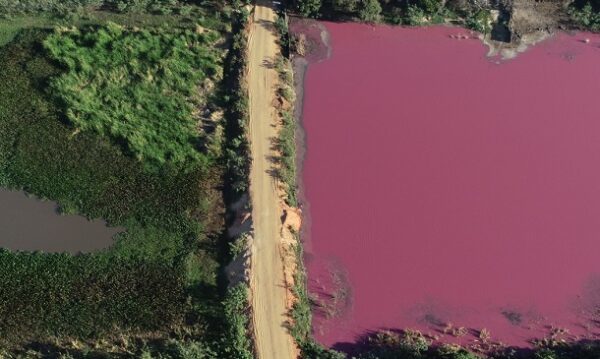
(313, 350)
(309, 8)
(430, 6)
(346, 6)
(369, 11)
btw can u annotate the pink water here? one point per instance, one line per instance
(444, 187)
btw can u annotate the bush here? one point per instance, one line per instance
(369, 10)
(415, 16)
(479, 21)
(313, 350)
(237, 312)
(309, 8)
(430, 6)
(237, 148)
(586, 17)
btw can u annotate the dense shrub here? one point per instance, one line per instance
(135, 87)
(415, 16)
(313, 350)
(587, 16)
(85, 295)
(479, 21)
(369, 10)
(309, 8)
(237, 148)
(286, 143)
(237, 310)
(390, 345)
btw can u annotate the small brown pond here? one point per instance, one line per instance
(29, 224)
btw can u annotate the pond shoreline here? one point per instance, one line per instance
(28, 223)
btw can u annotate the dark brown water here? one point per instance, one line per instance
(29, 224)
(447, 190)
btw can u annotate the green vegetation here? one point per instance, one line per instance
(237, 148)
(237, 312)
(151, 6)
(301, 311)
(415, 16)
(403, 12)
(83, 123)
(313, 350)
(480, 20)
(587, 15)
(15, 7)
(411, 12)
(86, 295)
(301, 315)
(136, 87)
(19, 7)
(286, 143)
(410, 344)
(474, 15)
(309, 8)
(237, 171)
(369, 10)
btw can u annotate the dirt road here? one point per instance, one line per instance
(269, 295)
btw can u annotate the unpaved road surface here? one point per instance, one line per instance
(269, 295)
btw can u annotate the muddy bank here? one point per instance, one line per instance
(312, 38)
(450, 193)
(29, 224)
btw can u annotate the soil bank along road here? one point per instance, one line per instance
(267, 284)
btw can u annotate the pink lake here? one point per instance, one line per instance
(447, 189)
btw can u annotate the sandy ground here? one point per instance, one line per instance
(269, 294)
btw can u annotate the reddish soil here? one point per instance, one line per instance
(449, 188)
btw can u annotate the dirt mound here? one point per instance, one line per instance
(519, 24)
(529, 16)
